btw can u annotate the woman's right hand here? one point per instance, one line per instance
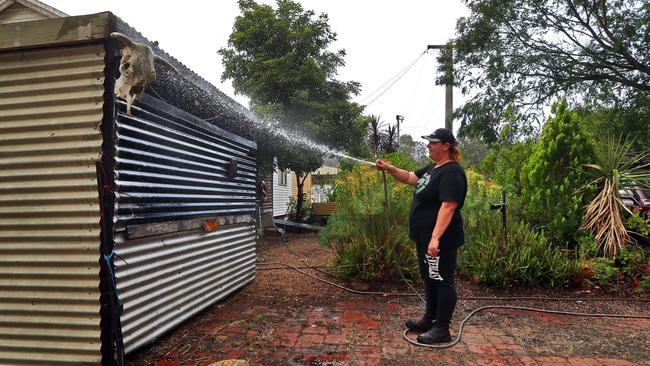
(382, 165)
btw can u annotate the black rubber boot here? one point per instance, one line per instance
(436, 334)
(421, 325)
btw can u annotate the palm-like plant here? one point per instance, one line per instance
(390, 139)
(375, 135)
(617, 167)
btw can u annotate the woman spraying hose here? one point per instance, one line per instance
(436, 227)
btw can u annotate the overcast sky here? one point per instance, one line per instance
(381, 38)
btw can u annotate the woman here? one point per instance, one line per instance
(436, 227)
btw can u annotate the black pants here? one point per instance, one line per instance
(440, 293)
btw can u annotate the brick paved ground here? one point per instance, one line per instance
(351, 332)
(351, 329)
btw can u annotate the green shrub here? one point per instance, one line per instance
(638, 224)
(587, 247)
(604, 271)
(521, 257)
(551, 177)
(305, 211)
(645, 283)
(632, 260)
(506, 159)
(364, 244)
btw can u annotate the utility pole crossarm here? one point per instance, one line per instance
(439, 46)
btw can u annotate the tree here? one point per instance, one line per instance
(379, 140)
(280, 59)
(634, 121)
(390, 142)
(525, 53)
(551, 178)
(416, 150)
(507, 157)
(474, 151)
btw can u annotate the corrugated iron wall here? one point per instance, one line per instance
(172, 182)
(50, 110)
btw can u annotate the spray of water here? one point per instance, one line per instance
(272, 126)
(262, 126)
(356, 159)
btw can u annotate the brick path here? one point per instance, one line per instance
(315, 324)
(355, 331)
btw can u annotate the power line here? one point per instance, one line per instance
(415, 90)
(392, 80)
(389, 86)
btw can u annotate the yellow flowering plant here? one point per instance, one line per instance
(369, 234)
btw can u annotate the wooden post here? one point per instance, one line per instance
(449, 88)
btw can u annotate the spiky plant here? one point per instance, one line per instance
(375, 135)
(390, 139)
(617, 167)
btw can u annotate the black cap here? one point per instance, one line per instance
(441, 135)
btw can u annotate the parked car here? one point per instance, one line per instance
(636, 199)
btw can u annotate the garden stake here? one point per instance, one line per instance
(502, 207)
(383, 173)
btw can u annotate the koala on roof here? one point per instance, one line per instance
(137, 70)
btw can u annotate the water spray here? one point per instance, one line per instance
(340, 154)
(260, 126)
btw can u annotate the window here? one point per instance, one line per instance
(282, 178)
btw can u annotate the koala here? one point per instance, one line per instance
(137, 70)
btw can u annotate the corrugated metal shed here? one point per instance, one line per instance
(50, 110)
(168, 203)
(173, 180)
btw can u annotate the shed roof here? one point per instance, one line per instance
(24, 10)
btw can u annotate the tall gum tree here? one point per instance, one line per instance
(279, 57)
(527, 53)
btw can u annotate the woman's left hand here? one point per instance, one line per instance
(382, 165)
(434, 247)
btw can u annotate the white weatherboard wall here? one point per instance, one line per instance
(281, 194)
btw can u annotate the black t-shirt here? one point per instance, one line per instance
(436, 185)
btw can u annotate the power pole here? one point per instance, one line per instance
(399, 119)
(449, 88)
